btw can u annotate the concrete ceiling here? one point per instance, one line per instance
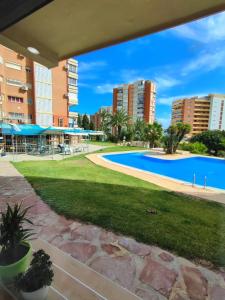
(64, 28)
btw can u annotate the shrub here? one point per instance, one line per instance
(40, 273)
(221, 153)
(198, 148)
(185, 146)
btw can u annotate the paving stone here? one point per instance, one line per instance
(110, 249)
(158, 276)
(48, 232)
(217, 293)
(80, 251)
(180, 295)
(119, 269)
(135, 247)
(85, 232)
(108, 236)
(148, 295)
(196, 283)
(166, 256)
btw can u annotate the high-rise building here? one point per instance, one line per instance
(96, 118)
(33, 94)
(202, 113)
(136, 99)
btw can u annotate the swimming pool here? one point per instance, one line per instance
(210, 169)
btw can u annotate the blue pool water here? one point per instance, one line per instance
(181, 169)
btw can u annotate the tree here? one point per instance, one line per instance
(153, 133)
(85, 122)
(139, 129)
(118, 120)
(174, 135)
(79, 121)
(105, 121)
(92, 126)
(214, 140)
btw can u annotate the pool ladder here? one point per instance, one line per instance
(194, 181)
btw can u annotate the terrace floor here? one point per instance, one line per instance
(147, 271)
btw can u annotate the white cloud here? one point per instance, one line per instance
(206, 30)
(90, 66)
(105, 88)
(165, 82)
(205, 62)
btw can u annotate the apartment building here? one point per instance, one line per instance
(202, 113)
(97, 119)
(33, 94)
(137, 99)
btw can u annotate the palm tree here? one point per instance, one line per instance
(153, 133)
(139, 128)
(118, 120)
(105, 121)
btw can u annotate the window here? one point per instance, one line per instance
(28, 69)
(72, 81)
(72, 68)
(13, 66)
(14, 115)
(60, 122)
(14, 82)
(15, 99)
(30, 101)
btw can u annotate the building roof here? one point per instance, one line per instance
(61, 29)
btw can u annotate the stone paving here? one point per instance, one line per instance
(148, 271)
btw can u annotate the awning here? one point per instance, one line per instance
(53, 130)
(83, 132)
(63, 28)
(21, 130)
(31, 129)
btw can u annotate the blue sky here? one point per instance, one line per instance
(183, 61)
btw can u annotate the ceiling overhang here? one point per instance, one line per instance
(60, 29)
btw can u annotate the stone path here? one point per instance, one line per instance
(148, 271)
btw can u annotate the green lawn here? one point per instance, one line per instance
(81, 190)
(102, 143)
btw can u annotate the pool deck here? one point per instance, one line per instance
(165, 182)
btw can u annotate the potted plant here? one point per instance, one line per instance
(35, 282)
(15, 250)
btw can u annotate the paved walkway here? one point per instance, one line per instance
(25, 157)
(170, 184)
(148, 271)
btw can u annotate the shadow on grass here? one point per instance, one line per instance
(194, 229)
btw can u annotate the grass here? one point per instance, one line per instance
(101, 143)
(116, 148)
(78, 189)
